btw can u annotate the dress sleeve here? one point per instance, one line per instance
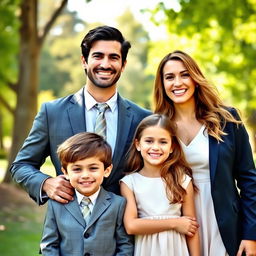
(128, 180)
(186, 181)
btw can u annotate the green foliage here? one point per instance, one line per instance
(9, 25)
(135, 84)
(220, 35)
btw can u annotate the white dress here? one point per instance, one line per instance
(152, 203)
(197, 155)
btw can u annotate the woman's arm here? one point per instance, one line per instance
(137, 226)
(188, 209)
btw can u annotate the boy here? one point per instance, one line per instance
(86, 160)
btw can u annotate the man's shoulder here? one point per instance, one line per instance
(135, 107)
(69, 99)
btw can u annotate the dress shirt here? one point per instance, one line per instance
(111, 116)
(93, 198)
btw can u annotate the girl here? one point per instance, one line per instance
(158, 192)
(217, 147)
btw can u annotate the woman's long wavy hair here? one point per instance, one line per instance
(173, 169)
(210, 110)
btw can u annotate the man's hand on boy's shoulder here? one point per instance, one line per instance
(58, 189)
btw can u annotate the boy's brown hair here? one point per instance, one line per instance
(84, 145)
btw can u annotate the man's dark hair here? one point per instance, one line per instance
(104, 33)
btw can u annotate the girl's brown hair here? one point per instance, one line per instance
(210, 110)
(173, 169)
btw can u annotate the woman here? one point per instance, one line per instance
(216, 145)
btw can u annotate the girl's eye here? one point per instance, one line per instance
(186, 75)
(148, 141)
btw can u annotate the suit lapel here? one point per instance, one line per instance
(76, 112)
(102, 203)
(123, 126)
(213, 156)
(75, 211)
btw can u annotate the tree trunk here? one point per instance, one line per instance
(31, 42)
(27, 88)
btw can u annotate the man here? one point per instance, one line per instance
(104, 52)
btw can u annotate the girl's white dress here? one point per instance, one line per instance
(197, 155)
(152, 203)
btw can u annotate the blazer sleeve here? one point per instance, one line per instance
(245, 174)
(25, 170)
(50, 242)
(124, 246)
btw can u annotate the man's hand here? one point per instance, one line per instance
(59, 189)
(247, 246)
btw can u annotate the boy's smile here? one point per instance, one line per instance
(87, 175)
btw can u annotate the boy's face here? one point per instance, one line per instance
(87, 175)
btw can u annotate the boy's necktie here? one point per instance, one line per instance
(85, 208)
(100, 123)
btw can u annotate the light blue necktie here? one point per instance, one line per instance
(100, 123)
(85, 208)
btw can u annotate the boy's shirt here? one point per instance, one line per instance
(93, 198)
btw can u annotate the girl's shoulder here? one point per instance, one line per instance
(185, 181)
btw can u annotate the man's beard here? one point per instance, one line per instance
(103, 84)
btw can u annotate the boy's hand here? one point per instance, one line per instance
(59, 189)
(187, 225)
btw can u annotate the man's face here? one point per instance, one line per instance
(104, 64)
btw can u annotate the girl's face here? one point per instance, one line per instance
(178, 84)
(155, 146)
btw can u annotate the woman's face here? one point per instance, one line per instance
(178, 84)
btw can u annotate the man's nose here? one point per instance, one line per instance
(105, 63)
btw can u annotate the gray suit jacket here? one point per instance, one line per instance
(60, 119)
(65, 232)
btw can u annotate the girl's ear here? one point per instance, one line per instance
(137, 144)
(108, 171)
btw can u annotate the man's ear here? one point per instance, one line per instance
(108, 171)
(124, 65)
(83, 62)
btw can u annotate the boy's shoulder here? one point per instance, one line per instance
(113, 197)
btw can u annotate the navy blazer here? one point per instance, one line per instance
(232, 167)
(60, 119)
(65, 232)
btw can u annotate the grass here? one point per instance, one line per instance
(21, 222)
(21, 219)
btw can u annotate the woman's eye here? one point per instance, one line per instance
(169, 77)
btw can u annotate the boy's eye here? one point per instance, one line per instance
(94, 168)
(76, 169)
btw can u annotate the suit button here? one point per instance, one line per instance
(86, 235)
(87, 254)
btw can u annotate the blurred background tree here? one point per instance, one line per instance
(32, 34)
(221, 36)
